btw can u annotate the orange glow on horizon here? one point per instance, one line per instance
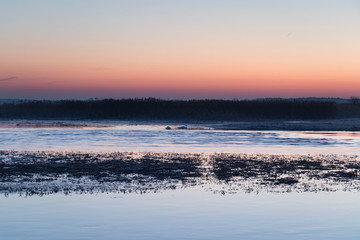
(297, 50)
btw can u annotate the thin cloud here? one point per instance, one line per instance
(8, 79)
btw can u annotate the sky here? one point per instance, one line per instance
(179, 49)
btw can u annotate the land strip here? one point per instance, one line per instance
(69, 172)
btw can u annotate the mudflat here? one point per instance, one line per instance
(51, 172)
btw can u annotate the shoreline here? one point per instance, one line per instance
(349, 125)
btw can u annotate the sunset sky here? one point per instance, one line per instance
(179, 49)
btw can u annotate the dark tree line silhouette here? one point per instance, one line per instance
(157, 109)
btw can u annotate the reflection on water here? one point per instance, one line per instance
(182, 214)
(155, 138)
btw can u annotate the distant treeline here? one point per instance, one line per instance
(157, 109)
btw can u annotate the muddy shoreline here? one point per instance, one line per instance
(69, 172)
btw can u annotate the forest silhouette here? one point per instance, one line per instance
(157, 109)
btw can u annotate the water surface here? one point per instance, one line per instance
(129, 137)
(182, 214)
(187, 211)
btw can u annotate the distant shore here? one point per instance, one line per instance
(178, 110)
(268, 114)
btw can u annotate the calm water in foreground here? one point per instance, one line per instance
(189, 213)
(182, 214)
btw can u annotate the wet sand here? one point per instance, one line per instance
(69, 172)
